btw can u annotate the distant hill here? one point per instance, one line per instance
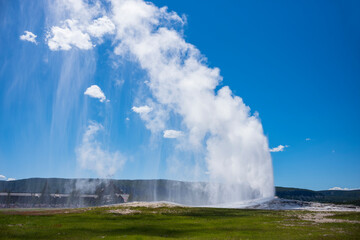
(147, 190)
(325, 196)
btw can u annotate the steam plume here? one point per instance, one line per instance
(216, 122)
(237, 151)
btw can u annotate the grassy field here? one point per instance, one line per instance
(167, 222)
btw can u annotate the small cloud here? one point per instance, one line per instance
(11, 179)
(279, 148)
(95, 91)
(2, 177)
(28, 36)
(127, 119)
(142, 110)
(307, 139)
(172, 134)
(343, 189)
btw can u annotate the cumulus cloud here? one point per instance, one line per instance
(95, 91)
(279, 148)
(307, 139)
(77, 32)
(11, 179)
(2, 177)
(67, 36)
(142, 109)
(92, 156)
(100, 27)
(28, 36)
(172, 134)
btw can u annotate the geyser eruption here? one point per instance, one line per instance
(237, 153)
(213, 120)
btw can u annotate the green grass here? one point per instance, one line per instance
(173, 223)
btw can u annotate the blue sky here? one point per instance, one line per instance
(296, 63)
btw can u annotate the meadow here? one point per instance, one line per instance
(175, 222)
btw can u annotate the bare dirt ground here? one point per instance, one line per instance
(324, 217)
(159, 207)
(124, 211)
(149, 204)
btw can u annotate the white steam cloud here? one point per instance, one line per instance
(142, 110)
(78, 33)
(236, 148)
(91, 154)
(95, 91)
(2, 177)
(100, 27)
(279, 148)
(172, 134)
(28, 36)
(216, 122)
(68, 35)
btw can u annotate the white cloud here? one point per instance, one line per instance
(127, 119)
(279, 148)
(28, 36)
(142, 109)
(11, 179)
(343, 189)
(172, 134)
(67, 36)
(95, 91)
(91, 154)
(100, 27)
(2, 177)
(307, 139)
